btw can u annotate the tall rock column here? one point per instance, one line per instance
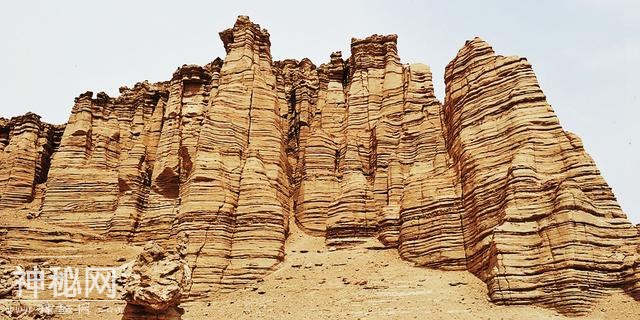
(82, 189)
(540, 223)
(430, 214)
(240, 159)
(320, 146)
(188, 97)
(374, 100)
(140, 111)
(26, 147)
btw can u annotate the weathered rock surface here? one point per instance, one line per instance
(7, 279)
(156, 280)
(540, 223)
(229, 155)
(26, 146)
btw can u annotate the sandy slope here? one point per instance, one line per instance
(368, 283)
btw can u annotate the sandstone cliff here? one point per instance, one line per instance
(27, 146)
(228, 156)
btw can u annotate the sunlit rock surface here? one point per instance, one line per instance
(233, 154)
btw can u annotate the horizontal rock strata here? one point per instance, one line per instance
(227, 155)
(540, 223)
(26, 147)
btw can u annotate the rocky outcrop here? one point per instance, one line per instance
(102, 163)
(375, 124)
(7, 279)
(633, 279)
(26, 146)
(230, 154)
(156, 280)
(238, 188)
(540, 223)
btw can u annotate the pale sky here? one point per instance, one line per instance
(586, 54)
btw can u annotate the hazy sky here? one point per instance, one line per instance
(586, 54)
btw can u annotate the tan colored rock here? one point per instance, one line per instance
(257, 245)
(318, 144)
(633, 279)
(156, 280)
(540, 223)
(233, 154)
(100, 174)
(26, 146)
(430, 216)
(225, 188)
(7, 279)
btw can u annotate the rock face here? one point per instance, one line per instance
(230, 153)
(156, 280)
(540, 224)
(26, 146)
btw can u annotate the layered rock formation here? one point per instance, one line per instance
(540, 223)
(225, 156)
(156, 280)
(27, 145)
